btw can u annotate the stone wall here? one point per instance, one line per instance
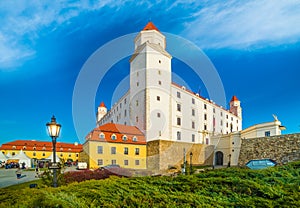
(162, 155)
(282, 149)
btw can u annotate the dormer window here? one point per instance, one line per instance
(124, 138)
(24, 148)
(13, 147)
(34, 148)
(44, 148)
(134, 139)
(61, 149)
(101, 136)
(113, 137)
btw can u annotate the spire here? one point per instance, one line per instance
(234, 98)
(150, 26)
(102, 104)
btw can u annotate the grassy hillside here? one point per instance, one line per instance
(233, 187)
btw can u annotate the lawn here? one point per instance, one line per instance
(231, 187)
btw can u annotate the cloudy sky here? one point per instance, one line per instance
(254, 46)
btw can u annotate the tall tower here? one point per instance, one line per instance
(150, 84)
(102, 110)
(235, 106)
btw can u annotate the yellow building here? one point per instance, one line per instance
(38, 150)
(115, 144)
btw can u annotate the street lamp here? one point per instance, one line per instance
(229, 160)
(53, 131)
(191, 159)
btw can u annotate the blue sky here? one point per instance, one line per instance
(254, 45)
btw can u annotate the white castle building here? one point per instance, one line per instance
(161, 109)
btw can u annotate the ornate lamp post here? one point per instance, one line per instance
(191, 159)
(53, 131)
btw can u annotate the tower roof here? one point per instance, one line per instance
(102, 104)
(234, 98)
(150, 26)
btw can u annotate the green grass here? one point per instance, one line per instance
(232, 187)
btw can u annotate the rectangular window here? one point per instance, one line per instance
(158, 98)
(221, 122)
(100, 161)
(214, 110)
(113, 162)
(221, 113)
(193, 112)
(178, 121)
(125, 150)
(137, 119)
(178, 94)
(226, 116)
(125, 113)
(113, 150)
(205, 127)
(137, 162)
(205, 117)
(267, 133)
(125, 100)
(178, 135)
(178, 107)
(193, 101)
(137, 151)
(207, 141)
(137, 103)
(100, 150)
(205, 107)
(159, 82)
(158, 115)
(193, 125)
(193, 137)
(125, 162)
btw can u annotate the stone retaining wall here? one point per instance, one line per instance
(282, 149)
(162, 155)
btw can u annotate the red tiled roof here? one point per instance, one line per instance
(150, 26)
(40, 146)
(234, 98)
(119, 131)
(102, 104)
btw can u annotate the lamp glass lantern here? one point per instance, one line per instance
(53, 128)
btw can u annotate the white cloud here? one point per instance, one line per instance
(22, 21)
(244, 24)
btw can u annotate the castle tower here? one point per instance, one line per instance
(150, 84)
(102, 110)
(235, 106)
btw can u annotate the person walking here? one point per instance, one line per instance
(18, 173)
(37, 171)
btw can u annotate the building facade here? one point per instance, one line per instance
(163, 110)
(38, 150)
(115, 144)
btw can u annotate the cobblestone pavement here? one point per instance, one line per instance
(8, 176)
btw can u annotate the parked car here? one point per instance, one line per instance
(81, 166)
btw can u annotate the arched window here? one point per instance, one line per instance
(113, 137)
(101, 136)
(13, 147)
(24, 148)
(124, 137)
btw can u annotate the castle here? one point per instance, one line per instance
(163, 110)
(174, 121)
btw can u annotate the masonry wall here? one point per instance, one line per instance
(162, 155)
(281, 148)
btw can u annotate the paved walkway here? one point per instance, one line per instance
(8, 176)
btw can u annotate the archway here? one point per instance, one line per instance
(219, 158)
